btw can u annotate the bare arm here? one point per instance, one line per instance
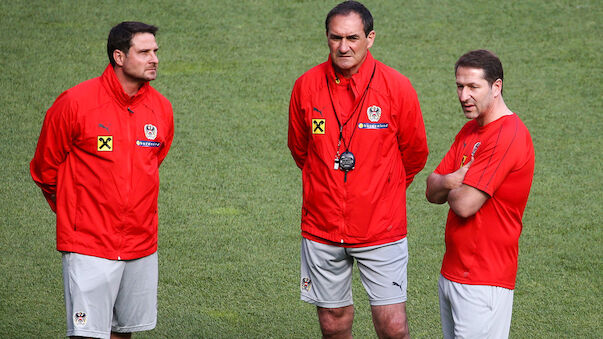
(437, 189)
(440, 185)
(465, 200)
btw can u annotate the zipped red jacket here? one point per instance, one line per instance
(99, 152)
(384, 131)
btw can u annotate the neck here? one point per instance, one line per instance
(129, 85)
(499, 109)
(345, 73)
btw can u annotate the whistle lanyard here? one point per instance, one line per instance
(358, 105)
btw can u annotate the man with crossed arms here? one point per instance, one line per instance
(485, 177)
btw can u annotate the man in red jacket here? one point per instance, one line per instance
(357, 133)
(485, 177)
(97, 162)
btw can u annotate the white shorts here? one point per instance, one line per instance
(474, 311)
(326, 273)
(103, 295)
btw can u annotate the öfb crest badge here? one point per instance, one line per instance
(374, 113)
(150, 131)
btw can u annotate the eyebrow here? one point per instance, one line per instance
(337, 36)
(467, 84)
(148, 49)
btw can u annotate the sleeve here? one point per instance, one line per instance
(169, 135)
(54, 144)
(447, 165)
(494, 159)
(412, 140)
(298, 131)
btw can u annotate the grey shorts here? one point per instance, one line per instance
(474, 311)
(104, 295)
(326, 273)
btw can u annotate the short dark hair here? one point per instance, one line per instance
(120, 36)
(346, 8)
(482, 59)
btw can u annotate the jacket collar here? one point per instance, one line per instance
(358, 80)
(114, 87)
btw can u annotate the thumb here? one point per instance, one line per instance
(467, 165)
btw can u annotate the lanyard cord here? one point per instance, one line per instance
(359, 104)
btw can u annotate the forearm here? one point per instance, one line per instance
(465, 201)
(437, 188)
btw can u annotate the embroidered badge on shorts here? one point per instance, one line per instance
(80, 319)
(306, 284)
(318, 126)
(104, 143)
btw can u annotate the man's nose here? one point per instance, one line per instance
(154, 58)
(344, 46)
(463, 93)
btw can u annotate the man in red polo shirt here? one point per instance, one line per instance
(356, 132)
(485, 177)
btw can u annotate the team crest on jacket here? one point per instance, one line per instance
(150, 131)
(374, 113)
(80, 319)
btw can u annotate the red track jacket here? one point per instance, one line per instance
(99, 151)
(387, 139)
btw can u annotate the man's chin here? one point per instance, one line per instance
(471, 115)
(343, 65)
(343, 68)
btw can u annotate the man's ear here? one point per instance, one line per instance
(371, 39)
(119, 57)
(497, 87)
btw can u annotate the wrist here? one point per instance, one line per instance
(448, 182)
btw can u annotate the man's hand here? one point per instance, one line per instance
(464, 200)
(455, 179)
(439, 185)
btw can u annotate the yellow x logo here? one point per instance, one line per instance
(104, 143)
(318, 126)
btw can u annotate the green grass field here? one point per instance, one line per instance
(231, 194)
